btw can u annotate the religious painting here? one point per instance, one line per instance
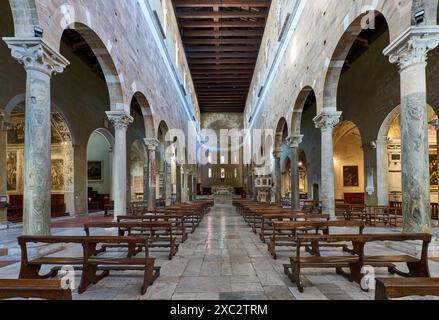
(351, 176)
(434, 182)
(95, 171)
(11, 171)
(16, 129)
(57, 173)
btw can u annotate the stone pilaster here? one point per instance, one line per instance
(382, 172)
(409, 51)
(277, 178)
(294, 143)
(120, 120)
(152, 145)
(326, 122)
(3, 164)
(178, 192)
(168, 179)
(40, 62)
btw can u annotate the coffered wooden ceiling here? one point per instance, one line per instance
(222, 39)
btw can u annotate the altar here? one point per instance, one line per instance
(223, 194)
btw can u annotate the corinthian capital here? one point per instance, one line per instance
(327, 120)
(413, 45)
(120, 119)
(35, 54)
(295, 140)
(151, 143)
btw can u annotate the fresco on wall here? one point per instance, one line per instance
(11, 171)
(16, 129)
(94, 171)
(351, 176)
(57, 172)
(433, 171)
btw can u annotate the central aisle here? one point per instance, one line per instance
(222, 260)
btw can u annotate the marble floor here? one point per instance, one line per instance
(222, 260)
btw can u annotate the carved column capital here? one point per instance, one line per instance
(412, 46)
(151, 143)
(327, 120)
(120, 119)
(295, 140)
(36, 54)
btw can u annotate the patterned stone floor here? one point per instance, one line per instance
(222, 260)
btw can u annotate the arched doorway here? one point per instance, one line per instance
(99, 170)
(349, 180)
(138, 168)
(62, 167)
(390, 160)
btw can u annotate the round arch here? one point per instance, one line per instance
(147, 113)
(341, 51)
(279, 134)
(25, 17)
(112, 77)
(296, 120)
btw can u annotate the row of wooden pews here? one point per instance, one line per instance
(308, 232)
(138, 232)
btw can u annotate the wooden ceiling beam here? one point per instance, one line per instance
(222, 24)
(222, 33)
(221, 3)
(223, 42)
(220, 55)
(222, 48)
(222, 15)
(222, 61)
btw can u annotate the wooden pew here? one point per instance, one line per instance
(33, 289)
(356, 262)
(159, 235)
(177, 221)
(87, 263)
(268, 221)
(394, 288)
(285, 233)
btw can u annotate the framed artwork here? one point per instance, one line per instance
(351, 176)
(433, 164)
(95, 171)
(57, 173)
(11, 171)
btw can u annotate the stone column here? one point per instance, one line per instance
(145, 182)
(178, 193)
(326, 122)
(120, 120)
(435, 123)
(255, 190)
(382, 172)
(294, 142)
(410, 52)
(152, 145)
(168, 198)
(40, 62)
(3, 164)
(277, 178)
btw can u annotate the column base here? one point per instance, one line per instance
(36, 250)
(4, 225)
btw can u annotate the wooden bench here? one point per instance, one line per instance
(159, 235)
(394, 288)
(87, 263)
(285, 233)
(33, 289)
(177, 221)
(268, 221)
(356, 262)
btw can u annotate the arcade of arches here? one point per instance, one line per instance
(96, 120)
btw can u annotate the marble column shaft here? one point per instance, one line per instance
(326, 122)
(152, 145)
(294, 142)
(120, 120)
(278, 178)
(382, 172)
(3, 164)
(178, 193)
(410, 52)
(40, 62)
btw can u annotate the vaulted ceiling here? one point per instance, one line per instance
(222, 39)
